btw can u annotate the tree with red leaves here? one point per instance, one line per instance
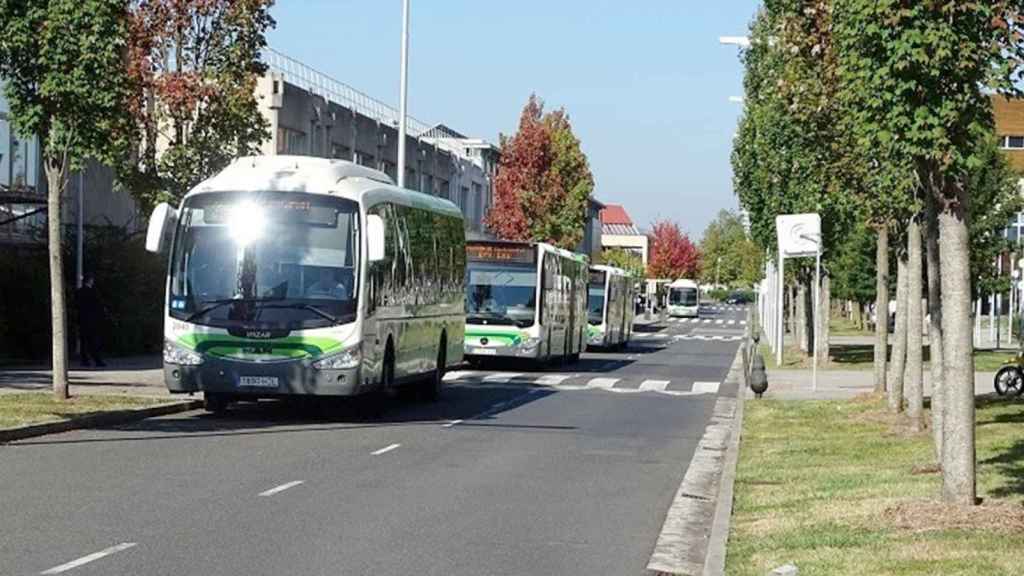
(673, 255)
(194, 65)
(543, 181)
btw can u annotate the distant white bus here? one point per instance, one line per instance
(684, 298)
(610, 307)
(308, 276)
(525, 300)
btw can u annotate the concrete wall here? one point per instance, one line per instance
(308, 124)
(637, 244)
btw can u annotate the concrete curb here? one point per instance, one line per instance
(96, 420)
(693, 537)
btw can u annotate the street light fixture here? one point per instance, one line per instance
(403, 101)
(741, 41)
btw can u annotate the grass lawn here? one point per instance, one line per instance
(861, 357)
(842, 488)
(37, 407)
(841, 326)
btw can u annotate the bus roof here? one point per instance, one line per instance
(313, 175)
(683, 283)
(609, 269)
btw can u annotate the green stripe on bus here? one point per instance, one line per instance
(289, 347)
(513, 338)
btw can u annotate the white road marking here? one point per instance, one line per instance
(707, 321)
(719, 321)
(385, 450)
(90, 558)
(653, 385)
(280, 488)
(743, 322)
(452, 423)
(603, 383)
(731, 322)
(705, 387)
(457, 374)
(553, 379)
(502, 377)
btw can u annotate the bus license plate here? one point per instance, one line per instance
(485, 351)
(258, 381)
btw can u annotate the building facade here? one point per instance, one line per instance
(1009, 121)
(312, 114)
(619, 231)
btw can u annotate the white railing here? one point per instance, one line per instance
(316, 82)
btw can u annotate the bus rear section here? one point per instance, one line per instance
(610, 310)
(524, 301)
(684, 299)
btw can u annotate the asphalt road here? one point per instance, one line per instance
(560, 471)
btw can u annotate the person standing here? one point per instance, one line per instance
(90, 322)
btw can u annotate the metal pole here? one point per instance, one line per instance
(778, 311)
(403, 101)
(817, 317)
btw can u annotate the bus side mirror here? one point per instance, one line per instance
(374, 238)
(161, 222)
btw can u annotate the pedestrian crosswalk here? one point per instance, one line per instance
(708, 321)
(579, 381)
(725, 308)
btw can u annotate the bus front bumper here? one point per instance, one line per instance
(263, 379)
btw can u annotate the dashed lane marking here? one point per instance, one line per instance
(280, 488)
(90, 558)
(705, 387)
(502, 377)
(385, 450)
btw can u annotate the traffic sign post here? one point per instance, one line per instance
(799, 236)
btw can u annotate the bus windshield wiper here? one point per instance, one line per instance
(215, 304)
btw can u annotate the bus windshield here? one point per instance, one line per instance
(682, 297)
(501, 294)
(595, 298)
(274, 260)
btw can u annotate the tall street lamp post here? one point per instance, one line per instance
(403, 101)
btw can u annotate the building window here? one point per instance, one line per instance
(291, 141)
(1012, 142)
(340, 151)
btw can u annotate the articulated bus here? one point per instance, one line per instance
(610, 307)
(308, 276)
(525, 300)
(684, 298)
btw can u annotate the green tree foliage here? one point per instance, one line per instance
(854, 271)
(729, 255)
(194, 66)
(543, 183)
(63, 64)
(995, 200)
(620, 258)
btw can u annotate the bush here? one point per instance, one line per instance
(129, 281)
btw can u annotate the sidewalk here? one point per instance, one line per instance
(842, 384)
(142, 375)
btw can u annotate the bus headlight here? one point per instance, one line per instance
(530, 345)
(175, 354)
(344, 360)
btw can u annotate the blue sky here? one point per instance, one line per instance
(646, 83)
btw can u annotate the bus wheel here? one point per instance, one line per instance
(216, 403)
(432, 387)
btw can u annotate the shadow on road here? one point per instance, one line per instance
(475, 407)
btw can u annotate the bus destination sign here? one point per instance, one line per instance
(500, 253)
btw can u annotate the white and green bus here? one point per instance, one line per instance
(525, 300)
(308, 276)
(610, 307)
(684, 298)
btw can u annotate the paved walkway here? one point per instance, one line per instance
(841, 384)
(136, 375)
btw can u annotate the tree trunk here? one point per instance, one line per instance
(899, 346)
(958, 462)
(915, 319)
(824, 315)
(801, 317)
(935, 322)
(55, 176)
(881, 308)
